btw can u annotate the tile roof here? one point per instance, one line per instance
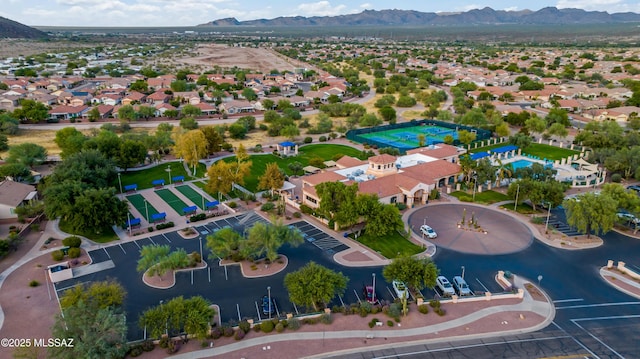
(13, 193)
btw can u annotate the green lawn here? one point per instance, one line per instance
(535, 149)
(390, 246)
(191, 194)
(324, 151)
(172, 200)
(144, 178)
(522, 208)
(486, 197)
(137, 200)
(106, 235)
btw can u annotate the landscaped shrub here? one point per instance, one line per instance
(74, 252)
(232, 204)
(198, 217)
(326, 318)
(337, 309)
(34, 283)
(440, 311)
(257, 327)
(294, 324)
(150, 229)
(73, 242)
(173, 347)
(195, 258)
(164, 225)
(216, 332)
(401, 206)
(297, 215)
(244, 326)
(164, 342)
(322, 139)
(267, 326)
(57, 255)
(239, 334)
(616, 177)
(434, 303)
(395, 310)
(423, 308)
(135, 351)
(373, 322)
(280, 327)
(267, 207)
(306, 209)
(390, 323)
(308, 140)
(148, 346)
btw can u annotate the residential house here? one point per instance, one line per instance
(163, 107)
(158, 97)
(190, 97)
(65, 112)
(13, 195)
(236, 106)
(134, 97)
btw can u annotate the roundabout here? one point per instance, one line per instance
(485, 231)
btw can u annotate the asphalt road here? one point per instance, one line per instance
(592, 320)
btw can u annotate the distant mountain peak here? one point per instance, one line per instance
(13, 29)
(486, 15)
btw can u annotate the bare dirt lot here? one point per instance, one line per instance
(23, 47)
(260, 59)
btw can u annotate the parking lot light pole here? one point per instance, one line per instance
(462, 272)
(146, 208)
(120, 182)
(129, 222)
(546, 225)
(201, 258)
(373, 294)
(270, 305)
(475, 185)
(515, 206)
(169, 170)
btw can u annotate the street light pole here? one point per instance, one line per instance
(169, 169)
(462, 272)
(129, 222)
(146, 208)
(201, 249)
(475, 185)
(546, 225)
(120, 182)
(270, 308)
(373, 295)
(515, 206)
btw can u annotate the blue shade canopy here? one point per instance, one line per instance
(504, 149)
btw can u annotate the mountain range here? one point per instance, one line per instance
(12, 29)
(485, 16)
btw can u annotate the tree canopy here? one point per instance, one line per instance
(415, 273)
(313, 285)
(591, 212)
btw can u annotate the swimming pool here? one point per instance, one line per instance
(521, 164)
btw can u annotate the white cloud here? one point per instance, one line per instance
(320, 8)
(366, 6)
(468, 7)
(511, 8)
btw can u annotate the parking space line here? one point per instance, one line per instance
(598, 305)
(275, 304)
(257, 311)
(165, 237)
(225, 273)
(485, 288)
(105, 250)
(568, 300)
(120, 245)
(191, 277)
(390, 292)
(575, 340)
(71, 286)
(209, 270)
(594, 337)
(151, 239)
(296, 308)
(342, 301)
(238, 308)
(357, 296)
(136, 243)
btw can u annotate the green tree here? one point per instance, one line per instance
(93, 114)
(502, 129)
(127, 112)
(223, 174)
(466, 137)
(535, 124)
(295, 167)
(388, 114)
(89, 167)
(107, 142)
(92, 209)
(249, 94)
(104, 294)
(313, 285)
(557, 129)
(31, 111)
(333, 195)
(265, 239)
(191, 316)
(224, 243)
(188, 123)
(237, 131)
(416, 273)
(190, 110)
(384, 221)
(591, 212)
(146, 112)
(272, 179)
(131, 153)
(8, 124)
(520, 140)
(139, 85)
(17, 171)
(191, 146)
(28, 154)
(97, 333)
(214, 139)
(626, 161)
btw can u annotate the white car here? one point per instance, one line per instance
(445, 286)
(461, 286)
(400, 288)
(629, 217)
(428, 231)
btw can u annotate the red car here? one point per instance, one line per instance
(369, 294)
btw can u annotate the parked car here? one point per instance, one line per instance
(428, 231)
(400, 288)
(461, 286)
(634, 188)
(628, 217)
(369, 294)
(445, 286)
(267, 305)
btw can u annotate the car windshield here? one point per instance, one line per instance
(446, 284)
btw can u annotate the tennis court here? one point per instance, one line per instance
(138, 201)
(192, 195)
(172, 200)
(407, 137)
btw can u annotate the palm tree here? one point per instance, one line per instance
(504, 171)
(265, 239)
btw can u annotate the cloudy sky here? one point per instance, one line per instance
(193, 12)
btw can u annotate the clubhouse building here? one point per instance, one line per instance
(406, 179)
